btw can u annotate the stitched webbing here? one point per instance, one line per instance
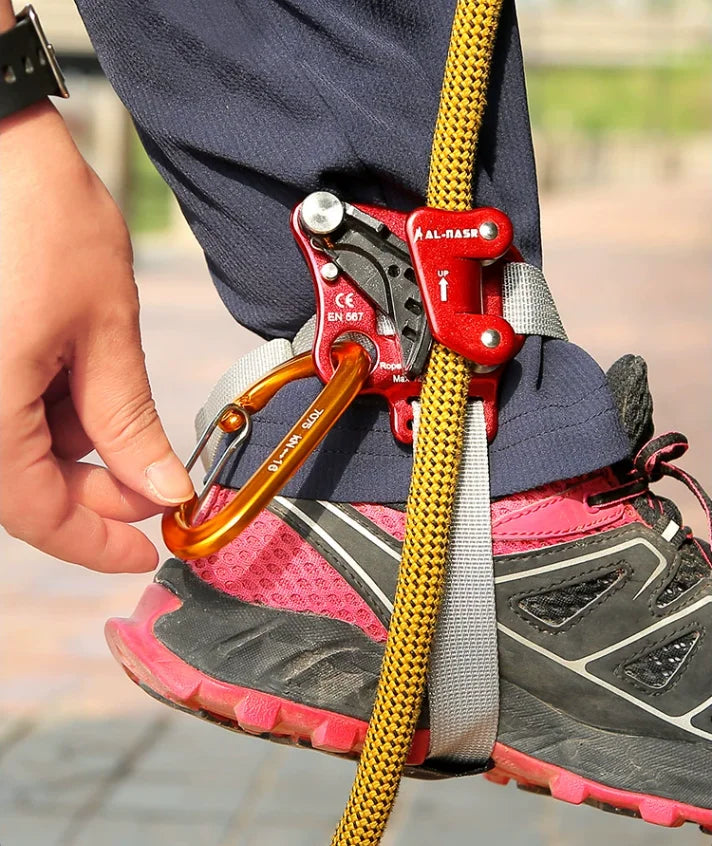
(401, 684)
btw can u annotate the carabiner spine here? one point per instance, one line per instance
(188, 541)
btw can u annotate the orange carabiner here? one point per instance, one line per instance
(353, 364)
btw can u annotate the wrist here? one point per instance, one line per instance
(7, 15)
(42, 113)
(37, 125)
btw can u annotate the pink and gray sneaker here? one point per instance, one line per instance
(604, 610)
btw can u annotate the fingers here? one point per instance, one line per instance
(69, 440)
(36, 501)
(69, 321)
(57, 388)
(109, 546)
(113, 399)
(88, 484)
(96, 489)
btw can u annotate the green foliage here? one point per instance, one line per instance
(149, 207)
(670, 100)
(674, 99)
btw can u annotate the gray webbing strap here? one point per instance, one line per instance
(304, 339)
(527, 302)
(463, 683)
(234, 382)
(528, 306)
(463, 686)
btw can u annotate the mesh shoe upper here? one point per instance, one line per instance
(604, 613)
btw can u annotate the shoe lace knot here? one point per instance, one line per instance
(655, 460)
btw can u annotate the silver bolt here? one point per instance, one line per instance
(491, 338)
(489, 230)
(329, 271)
(322, 213)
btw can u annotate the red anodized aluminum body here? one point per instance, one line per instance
(473, 305)
(448, 249)
(342, 309)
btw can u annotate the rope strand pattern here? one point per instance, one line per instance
(421, 577)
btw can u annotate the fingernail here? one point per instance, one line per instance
(168, 480)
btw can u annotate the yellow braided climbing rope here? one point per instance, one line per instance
(421, 577)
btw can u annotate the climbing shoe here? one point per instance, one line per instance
(604, 617)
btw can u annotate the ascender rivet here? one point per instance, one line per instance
(489, 230)
(491, 338)
(329, 271)
(322, 213)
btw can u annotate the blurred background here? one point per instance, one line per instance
(621, 104)
(619, 94)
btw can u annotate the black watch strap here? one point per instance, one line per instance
(28, 66)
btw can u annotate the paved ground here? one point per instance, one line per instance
(87, 759)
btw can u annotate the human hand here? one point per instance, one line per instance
(72, 375)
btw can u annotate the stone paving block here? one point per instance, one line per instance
(106, 692)
(451, 832)
(464, 811)
(61, 764)
(31, 690)
(460, 812)
(183, 795)
(586, 826)
(30, 830)
(34, 791)
(103, 831)
(12, 729)
(307, 784)
(299, 831)
(207, 748)
(80, 741)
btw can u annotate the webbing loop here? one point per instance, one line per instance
(436, 463)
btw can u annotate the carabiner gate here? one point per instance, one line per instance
(353, 364)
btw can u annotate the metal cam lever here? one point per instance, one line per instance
(379, 264)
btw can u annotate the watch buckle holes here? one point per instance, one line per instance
(29, 67)
(8, 74)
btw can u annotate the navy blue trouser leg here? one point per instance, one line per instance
(245, 107)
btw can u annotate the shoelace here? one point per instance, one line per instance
(653, 461)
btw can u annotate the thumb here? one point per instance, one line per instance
(113, 400)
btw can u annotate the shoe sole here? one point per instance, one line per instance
(165, 676)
